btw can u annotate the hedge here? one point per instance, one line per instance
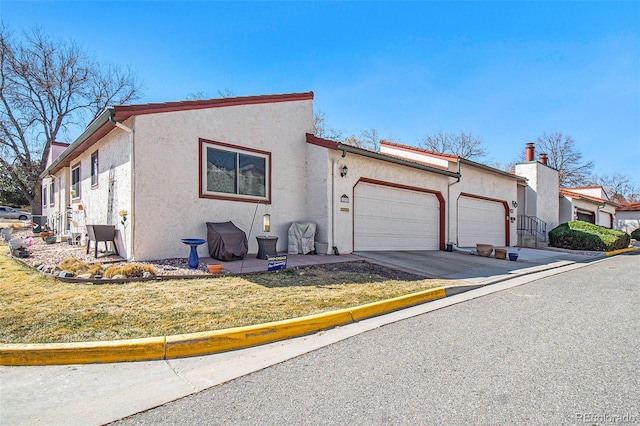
(579, 235)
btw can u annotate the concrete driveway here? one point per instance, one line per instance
(464, 266)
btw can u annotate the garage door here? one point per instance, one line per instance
(389, 218)
(480, 221)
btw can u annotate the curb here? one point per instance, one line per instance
(624, 250)
(203, 343)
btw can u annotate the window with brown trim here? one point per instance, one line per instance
(75, 182)
(52, 190)
(233, 172)
(94, 169)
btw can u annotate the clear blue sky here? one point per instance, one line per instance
(504, 71)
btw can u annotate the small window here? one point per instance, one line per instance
(75, 182)
(52, 190)
(43, 191)
(232, 172)
(94, 169)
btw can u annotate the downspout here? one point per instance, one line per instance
(132, 161)
(333, 202)
(449, 205)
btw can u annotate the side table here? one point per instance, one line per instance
(266, 246)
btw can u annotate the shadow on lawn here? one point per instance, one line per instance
(331, 274)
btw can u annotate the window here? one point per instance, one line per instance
(75, 182)
(43, 191)
(232, 172)
(52, 190)
(94, 169)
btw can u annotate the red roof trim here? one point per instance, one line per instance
(122, 112)
(572, 194)
(408, 148)
(629, 207)
(325, 143)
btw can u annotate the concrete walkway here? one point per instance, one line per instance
(101, 393)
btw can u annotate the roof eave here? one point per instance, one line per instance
(104, 119)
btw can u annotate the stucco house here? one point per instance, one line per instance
(628, 217)
(590, 204)
(169, 168)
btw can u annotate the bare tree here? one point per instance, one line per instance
(322, 130)
(565, 158)
(619, 187)
(462, 143)
(47, 86)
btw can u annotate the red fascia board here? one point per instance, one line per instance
(122, 112)
(440, 155)
(593, 199)
(325, 143)
(629, 207)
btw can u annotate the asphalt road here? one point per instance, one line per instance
(561, 350)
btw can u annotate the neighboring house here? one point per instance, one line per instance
(589, 204)
(628, 217)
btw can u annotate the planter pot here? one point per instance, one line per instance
(501, 254)
(484, 250)
(50, 239)
(214, 268)
(45, 234)
(513, 256)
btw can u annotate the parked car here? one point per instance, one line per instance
(11, 213)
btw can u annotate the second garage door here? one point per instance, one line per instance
(390, 218)
(480, 221)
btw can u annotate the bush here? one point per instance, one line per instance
(130, 270)
(77, 267)
(579, 235)
(636, 234)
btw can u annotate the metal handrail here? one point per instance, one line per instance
(533, 226)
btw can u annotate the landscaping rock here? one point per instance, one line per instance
(85, 276)
(147, 274)
(65, 274)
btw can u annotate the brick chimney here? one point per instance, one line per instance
(543, 159)
(528, 151)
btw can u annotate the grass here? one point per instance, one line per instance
(38, 309)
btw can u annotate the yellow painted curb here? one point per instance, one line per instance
(146, 349)
(204, 343)
(624, 250)
(378, 308)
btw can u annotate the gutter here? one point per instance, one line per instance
(93, 127)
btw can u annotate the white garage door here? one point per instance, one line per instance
(387, 218)
(480, 221)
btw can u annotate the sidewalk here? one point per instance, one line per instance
(101, 393)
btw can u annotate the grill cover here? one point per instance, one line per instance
(301, 237)
(226, 241)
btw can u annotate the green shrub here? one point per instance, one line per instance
(579, 235)
(636, 234)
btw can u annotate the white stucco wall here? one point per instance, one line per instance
(483, 183)
(167, 204)
(364, 167)
(627, 221)
(541, 196)
(319, 191)
(570, 207)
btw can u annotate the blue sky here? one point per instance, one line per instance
(504, 71)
